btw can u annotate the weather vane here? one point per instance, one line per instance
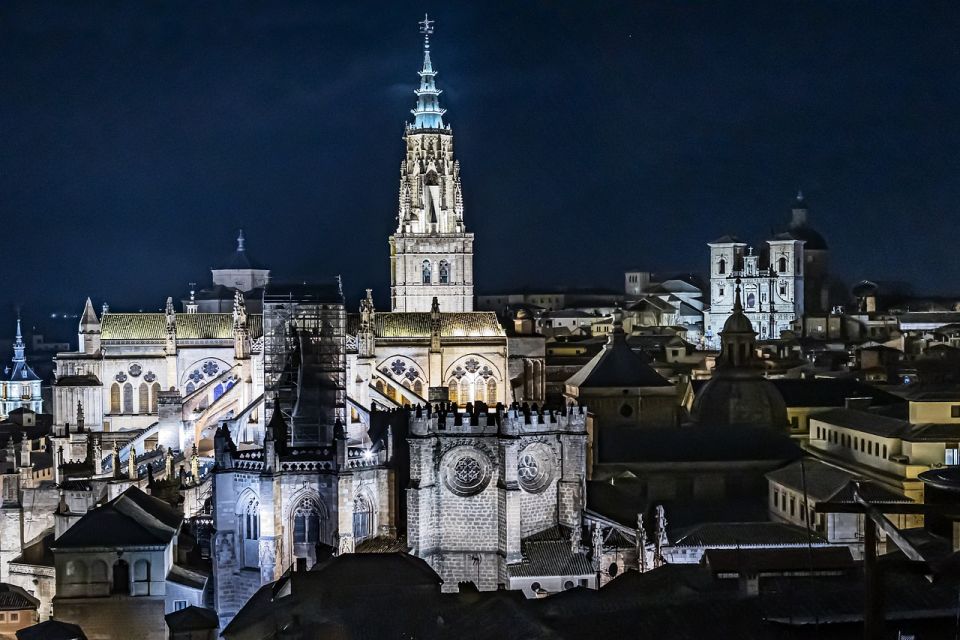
(426, 28)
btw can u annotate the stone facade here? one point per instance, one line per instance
(481, 481)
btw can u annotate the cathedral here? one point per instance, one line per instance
(328, 432)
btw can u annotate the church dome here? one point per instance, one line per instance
(738, 394)
(737, 397)
(738, 323)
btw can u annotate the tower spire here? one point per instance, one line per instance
(428, 114)
(18, 346)
(241, 242)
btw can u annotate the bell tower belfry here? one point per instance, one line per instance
(431, 253)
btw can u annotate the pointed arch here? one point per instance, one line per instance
(491, 392)
(427, 272)
(362, 518)
(143, 400)
(443, 272)
(127, 397)
(115, 406)
(154, 396)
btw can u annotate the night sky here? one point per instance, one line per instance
(138, 137)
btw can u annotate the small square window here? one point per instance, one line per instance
(14, 617)
(955, 411)
(179, 605)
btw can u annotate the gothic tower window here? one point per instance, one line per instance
(491, 392)
(453, 391)
(144, 394)
(154, 394)
(722, 266)
(418, 387)
(249, 524)
(444, 272)
(307, 522)
(426, 272)
(362, 519)
(115, 398)
(128, 398)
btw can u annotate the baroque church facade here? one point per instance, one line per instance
(303, 410)
(779, 283)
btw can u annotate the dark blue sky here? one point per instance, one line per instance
(138, 136)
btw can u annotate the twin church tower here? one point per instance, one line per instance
(431, 253)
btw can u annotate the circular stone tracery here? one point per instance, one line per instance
(466, 471)
(535, 468)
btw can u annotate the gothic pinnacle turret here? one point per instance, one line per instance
(428, 114)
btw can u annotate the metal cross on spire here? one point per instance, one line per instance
(426, 28)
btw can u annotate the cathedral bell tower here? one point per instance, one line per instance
(431, 253)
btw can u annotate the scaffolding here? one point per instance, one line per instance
(304, 362)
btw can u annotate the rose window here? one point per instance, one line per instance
(412, 374)
(534, 469)
(467, 471)
(196, 376)
(466, 474)
(150, 376)
(135, 370)
(472, 365)
(211, 368)
(398, 367)
(120, 377)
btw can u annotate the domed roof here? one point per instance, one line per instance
(737, 323)
(812, 240)
(739, 398)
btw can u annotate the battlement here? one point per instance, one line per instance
(479, 419)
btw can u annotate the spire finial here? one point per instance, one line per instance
(737, 303)
(241, 241)
(428, 113)
(426, 28)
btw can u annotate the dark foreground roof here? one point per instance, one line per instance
(52, 630)
(192, 619)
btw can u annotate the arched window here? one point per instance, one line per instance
(115, 398)
(154, 394)
(378, 385)
(76, 572)
(722, 266)
(190, 388)
(427, 272)
(121, 577)
(144, 394)
(218, 391)
(307, 522)
(782, 265)
(751, 300)
(362, 519)
(444, 270)
(251, 520)
(491, 392)
(128, 398)
(98, 571)
(453, 391)
(418, 387)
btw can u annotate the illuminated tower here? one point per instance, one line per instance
(431, 253)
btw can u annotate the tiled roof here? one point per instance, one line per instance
(728, 534)
(21, 372)
(190, 326)
(798, 559)
(824, 482)
(617, 365)
(123, 522)
(865, 422)
(548, 554)
(452, 325)
(13, 598)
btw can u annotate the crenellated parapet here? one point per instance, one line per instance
(477, 419)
